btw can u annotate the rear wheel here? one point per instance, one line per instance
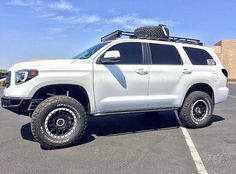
(196, 110)
(58, 121)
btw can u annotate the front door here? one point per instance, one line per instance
(122, 86)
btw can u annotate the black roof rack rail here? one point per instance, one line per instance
(185, 40)
(119, 33)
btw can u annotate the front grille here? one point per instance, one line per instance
(8, 80)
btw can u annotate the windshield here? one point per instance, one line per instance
(89, 52)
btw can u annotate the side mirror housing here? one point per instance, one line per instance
(111, 57)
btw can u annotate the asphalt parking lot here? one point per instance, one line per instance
(125, 144)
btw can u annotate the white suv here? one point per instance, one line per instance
(117, 76)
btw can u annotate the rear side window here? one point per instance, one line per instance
(199, 56)
(165, 55)
(130, 53)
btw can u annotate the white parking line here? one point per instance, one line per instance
(232, 96)
(194, 153)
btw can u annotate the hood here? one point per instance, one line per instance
(47, 65)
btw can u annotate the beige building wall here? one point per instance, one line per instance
(226, 51)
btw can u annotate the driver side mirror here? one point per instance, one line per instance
(111, 57)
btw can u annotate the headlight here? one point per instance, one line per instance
(25, 75)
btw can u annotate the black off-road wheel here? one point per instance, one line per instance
(58, 122)
(196, 110)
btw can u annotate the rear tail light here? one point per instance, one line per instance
(225, 72)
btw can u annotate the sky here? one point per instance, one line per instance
(51, 29)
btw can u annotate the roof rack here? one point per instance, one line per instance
(185, 40)
(119, 33)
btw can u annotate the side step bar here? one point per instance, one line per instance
(134, 111)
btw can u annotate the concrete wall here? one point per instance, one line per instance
(226, 51)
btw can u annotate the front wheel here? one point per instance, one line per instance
(58, 121)
(196, 110)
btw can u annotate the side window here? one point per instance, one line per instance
(199, 56)
(165, 55)
(130, 53)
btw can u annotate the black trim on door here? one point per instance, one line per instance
(148, 55)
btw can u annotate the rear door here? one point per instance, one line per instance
(168, 76)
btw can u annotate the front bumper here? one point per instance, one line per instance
(16, 105)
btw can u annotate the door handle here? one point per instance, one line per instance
(187, 71)
(141, 71)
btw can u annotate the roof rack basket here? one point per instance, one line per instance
(119, 33)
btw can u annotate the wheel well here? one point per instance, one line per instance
(74, 91)
(202, 87)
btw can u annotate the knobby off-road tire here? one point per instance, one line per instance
(196, 110)
(151, 32)
(58, 121)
